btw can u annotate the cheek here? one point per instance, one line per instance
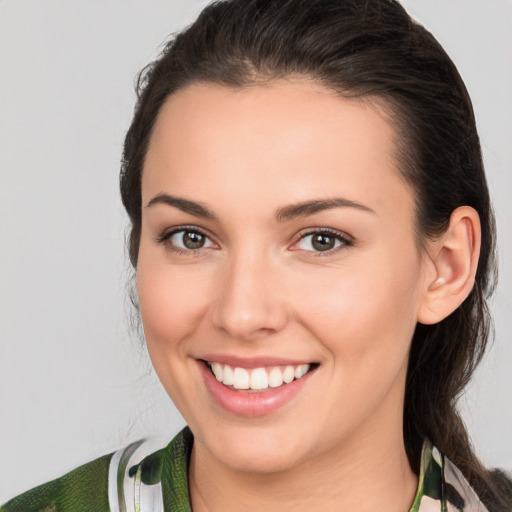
(366, 313)
(172, 300)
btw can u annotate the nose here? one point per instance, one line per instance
(251, 301)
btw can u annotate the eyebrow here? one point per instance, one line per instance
(185, 205)
(284, 214)
(306, 208)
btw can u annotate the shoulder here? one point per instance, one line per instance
(84, 488)
(139, 476)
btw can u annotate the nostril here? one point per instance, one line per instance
(262, 320)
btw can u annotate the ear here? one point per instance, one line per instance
(453, 260)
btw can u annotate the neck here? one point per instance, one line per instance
(361, 475)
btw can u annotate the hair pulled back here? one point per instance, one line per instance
(361, 49)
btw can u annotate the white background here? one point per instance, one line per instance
(74, 383)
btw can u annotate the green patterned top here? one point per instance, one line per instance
(139, 479)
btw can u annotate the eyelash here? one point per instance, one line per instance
(165, 237)
(346, 240)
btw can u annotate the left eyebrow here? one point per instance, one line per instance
(293, 211)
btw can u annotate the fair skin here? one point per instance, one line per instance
(235, 276)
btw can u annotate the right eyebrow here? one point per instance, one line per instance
(185, 205)
(307, 208)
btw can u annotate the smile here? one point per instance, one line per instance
(257, 379)
(252, 387)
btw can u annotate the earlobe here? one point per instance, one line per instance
(454, 259)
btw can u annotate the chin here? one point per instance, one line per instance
(257, 460)
(255, 450)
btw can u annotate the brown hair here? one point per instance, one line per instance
(368, 48)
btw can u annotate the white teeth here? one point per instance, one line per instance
(258, 378)
(240, 378)
(288, 374)
(228, 376)
(217, 371)
(301, 370)
(275, 378)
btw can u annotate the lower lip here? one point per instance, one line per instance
(251, 404)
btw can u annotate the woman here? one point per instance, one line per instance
(313, 241)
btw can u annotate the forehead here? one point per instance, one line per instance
(285, 141)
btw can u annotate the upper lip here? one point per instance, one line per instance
(252, 362)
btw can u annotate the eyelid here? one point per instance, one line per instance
(166, 234)
(346, 239)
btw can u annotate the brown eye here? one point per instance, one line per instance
(188, 239)
(193, 240)
(322, 242)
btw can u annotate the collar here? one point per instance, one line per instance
(441, 485)
(161, 479)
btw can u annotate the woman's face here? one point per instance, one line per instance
(277, 233)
